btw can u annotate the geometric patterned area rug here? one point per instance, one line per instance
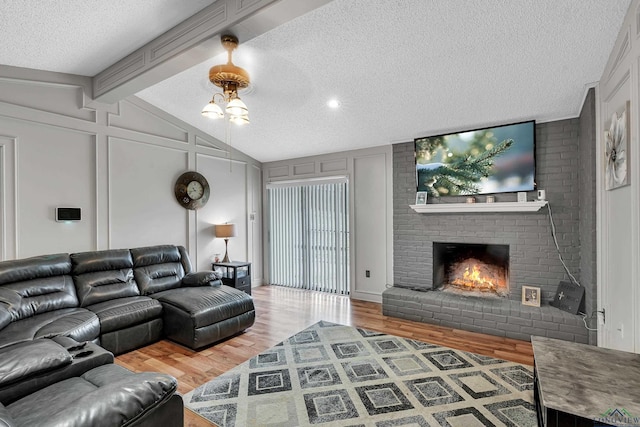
(335, 375)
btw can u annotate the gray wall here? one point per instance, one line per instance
(534, 259)
(587, 191)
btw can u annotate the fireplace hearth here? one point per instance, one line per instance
(471, 269)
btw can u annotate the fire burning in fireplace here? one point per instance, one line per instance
(475, 275)
(471, 269)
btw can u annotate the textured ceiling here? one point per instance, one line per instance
(401, 68)
(404, 69)
(83, 36)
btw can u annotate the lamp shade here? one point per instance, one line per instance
(225, 230)
(212, 111)
(236, 107)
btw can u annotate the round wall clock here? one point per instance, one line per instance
(192, 190)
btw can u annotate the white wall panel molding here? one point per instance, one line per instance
(45, 118)
(623, 50)
(207, 143)
(43, 78)
(140, 180)
(304, 169)
(637, 23)
(8, 196)
(254, 223)
(619, 57)
(66, 100)
(333, 166)
(192, 42)
(277, 172)
(141, 120)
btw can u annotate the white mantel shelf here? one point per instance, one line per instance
(480, 207)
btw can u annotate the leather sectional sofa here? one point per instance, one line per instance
(62, 316)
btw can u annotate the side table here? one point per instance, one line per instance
(235, 274)
(582, 385)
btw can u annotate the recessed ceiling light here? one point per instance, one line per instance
(333, 103)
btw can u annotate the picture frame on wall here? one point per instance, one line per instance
(421, 198)
(617, 155)
(531, 296)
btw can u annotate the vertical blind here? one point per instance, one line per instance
(309, 236)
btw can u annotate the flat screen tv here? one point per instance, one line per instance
(499, 159)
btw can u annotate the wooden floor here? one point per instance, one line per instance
(280, 313)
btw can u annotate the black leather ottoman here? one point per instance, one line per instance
(200, 316)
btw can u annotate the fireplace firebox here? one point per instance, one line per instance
(471, 269)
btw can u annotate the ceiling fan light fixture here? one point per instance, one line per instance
(212, 111)
(236, 107)
(239, 120)
(230, 78)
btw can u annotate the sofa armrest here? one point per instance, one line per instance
(201, 278)
(26, 359)
(121, 402)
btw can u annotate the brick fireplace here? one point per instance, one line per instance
(532, 258)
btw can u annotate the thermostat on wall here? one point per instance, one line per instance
(68, 214)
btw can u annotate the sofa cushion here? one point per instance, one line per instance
(207, 305)
(35, 285)
(37, 267)
(158, 268)
(125, 312)
(103, 276)
(105, 396)
(77, 323)
(36, 296)
(23, 360)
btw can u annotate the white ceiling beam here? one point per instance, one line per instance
(194, 41)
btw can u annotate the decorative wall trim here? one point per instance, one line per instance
(201, 142)
(110, 123)
(8, 195)
(638, 22)
(89, 116)
(333, 165)
(623, 50)
(109, 160)
(245, 4)
(278, 172)
(302, 169)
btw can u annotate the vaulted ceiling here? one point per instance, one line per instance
(399, 68)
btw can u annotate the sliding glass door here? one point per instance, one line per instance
(309, 235)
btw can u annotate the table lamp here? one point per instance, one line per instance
(224, 231)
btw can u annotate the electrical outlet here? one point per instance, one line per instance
(367, 273)
(601, 317)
